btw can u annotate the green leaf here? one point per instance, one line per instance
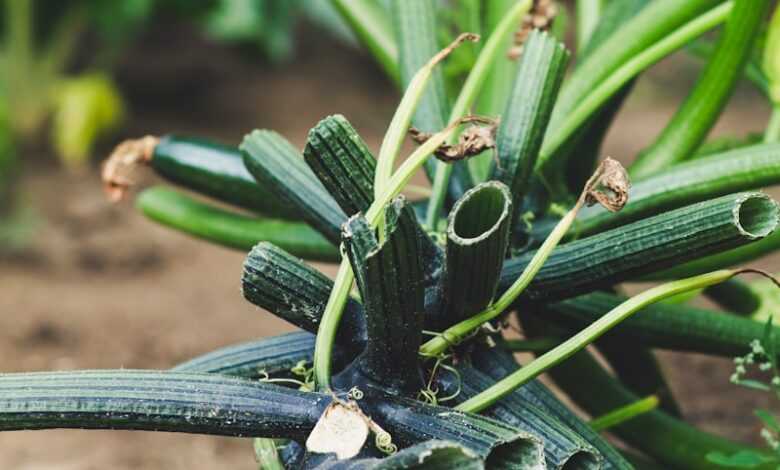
(371, 24)
(181, 212)
(275, 163)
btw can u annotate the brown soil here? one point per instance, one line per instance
(104, 288)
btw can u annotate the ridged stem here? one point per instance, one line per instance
(477, 241)
(491, 51)
(652, 244)
(296, 292)
(274, 162)
(741, 169)
(156, 401)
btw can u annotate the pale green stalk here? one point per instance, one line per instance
(624, 413)
(607, 88)
(402, 118)
(589, 335)
(588, 13)
(468, 95)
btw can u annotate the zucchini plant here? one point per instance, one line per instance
(411, 369)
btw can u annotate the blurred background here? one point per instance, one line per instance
(88, 284)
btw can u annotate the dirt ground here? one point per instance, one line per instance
(104, 288)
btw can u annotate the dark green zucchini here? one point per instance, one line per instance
(217, 171)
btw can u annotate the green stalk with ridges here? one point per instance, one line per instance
(648, 245)
(274, 356)
(294, 291)
(527, 113)
(342, 162)
(477, 241)
(697, 115)
(391, 281)
(498, 363)
(741, 169)
(156, 401)
(275, 163)
(501, 445)
(563, 448)
(720, 260)
(181, 212)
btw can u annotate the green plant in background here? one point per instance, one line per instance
(504, 230)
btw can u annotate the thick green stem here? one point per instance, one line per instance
(326, 334)
(590, 334)
(701, 109)
(741, 169)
